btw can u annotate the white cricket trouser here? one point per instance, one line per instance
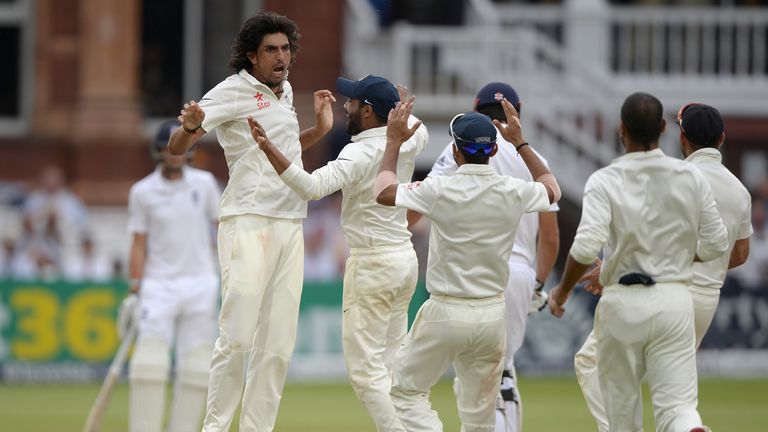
(261, 278)
(181, 306)
(705, 302)
(468, 333)
(517, 299)
(378, 286)
(647, 331)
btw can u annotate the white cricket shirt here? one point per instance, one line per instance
(506, 161)
(735, 205)
(365, 222)
(475, 214)
(254, 187)
(176, 217)
(647, 211)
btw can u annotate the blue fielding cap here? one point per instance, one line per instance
(701, 124)
(473, 132)
(493, 93)
(371, 90)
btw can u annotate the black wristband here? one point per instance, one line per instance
(191, 131)
(539, 285)
(520, 146)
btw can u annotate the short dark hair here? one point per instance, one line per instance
(252, 33)
(641, 115)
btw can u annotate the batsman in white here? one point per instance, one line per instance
(381, 272)
(172, 216)
(261, 246)
(651, 215)
(533, 254)
(475, 214)
(701, 135)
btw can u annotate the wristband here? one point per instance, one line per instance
(521, 146)
(539, 285)
(191, 131)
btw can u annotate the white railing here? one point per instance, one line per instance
(572, 65)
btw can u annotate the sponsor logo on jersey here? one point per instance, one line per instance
(261, 104)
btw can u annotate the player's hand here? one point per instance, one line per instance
(556, 302)
(402, 91)
(397, 122)
(591, 280)
(127, 315)
(192, 115)
(323, 110)
(539, 300)
(259, 134)
(512, 131)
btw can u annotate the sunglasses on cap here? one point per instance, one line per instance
(470, 147)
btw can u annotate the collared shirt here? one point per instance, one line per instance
(735, 205)
(474, 214)
(647, 211)
(177, 218)
(365, 222)
(254, 186)
(506, 161)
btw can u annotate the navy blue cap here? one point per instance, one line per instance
(372, 90)
(701, 124)
(473, 132)
(493, 93)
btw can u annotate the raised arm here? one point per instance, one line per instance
(278, 160)
(183, 138)
(323, 119)
(385, 186)
(513, 133)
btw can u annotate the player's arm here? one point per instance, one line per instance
(385, 186)
(513, 133)
(548, 245)
(323, 119)
(713, 236)
(739, 254)
(136, 260)
(574, 270)
(275, 157)
(183, 138)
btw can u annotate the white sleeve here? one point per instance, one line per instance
(594, 227)
(137, 213)
(219, 105)
(713, 236)
(534, 196)
(445, 164)
(348, 168)
(418, 196)
(745, 229)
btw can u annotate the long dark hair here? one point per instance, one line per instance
(252, 33)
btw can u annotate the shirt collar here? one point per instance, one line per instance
(164, 181)
(706, 154)
(655, 153)
(256, 83)
(475, 169)
(380, 131)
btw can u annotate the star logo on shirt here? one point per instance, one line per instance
(259, 96)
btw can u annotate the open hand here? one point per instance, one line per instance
(402, 91)
(397, 121)
(512, 131)
(258, 133)
(323, 110)
(192, 115)
(592, 280)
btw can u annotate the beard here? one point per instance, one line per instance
(354, 124)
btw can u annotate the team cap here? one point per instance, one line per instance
(371, 90)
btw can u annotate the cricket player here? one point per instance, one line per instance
(382, 270)
(652, 215)
(172, 215)
(533, 254)
(701, 135)
(260, 242)
(475, 214)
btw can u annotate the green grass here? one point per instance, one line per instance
(550, 404)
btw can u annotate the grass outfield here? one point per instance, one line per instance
(550, 404)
